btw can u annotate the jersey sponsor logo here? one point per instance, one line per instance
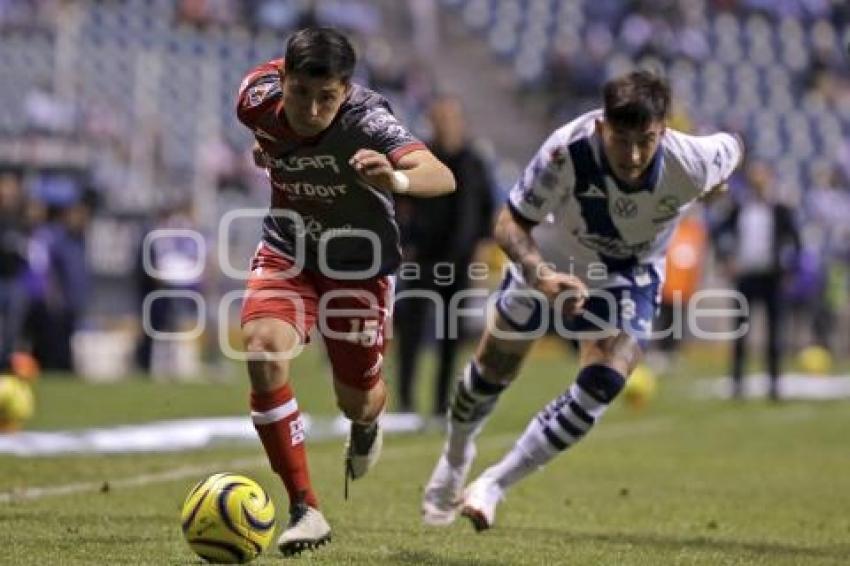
(612, 246)
(593, 192)
(309, 190)
(313, 229)
(625, 207)
(293, 164)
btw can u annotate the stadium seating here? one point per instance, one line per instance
(746, 69)
(126, 58)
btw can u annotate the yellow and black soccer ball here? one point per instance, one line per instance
(641, 387)
(228, 518)
(16, 403)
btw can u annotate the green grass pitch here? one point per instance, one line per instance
(685, 481)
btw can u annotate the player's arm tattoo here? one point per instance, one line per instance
(513, 233)
(499, 364)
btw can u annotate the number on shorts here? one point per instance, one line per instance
(364, 332)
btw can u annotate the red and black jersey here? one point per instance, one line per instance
(328, 207)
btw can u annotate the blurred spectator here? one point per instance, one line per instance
(46, 112)
(170, 265)
(60, 314)
(13, 262)
(439, 238)
(758, 243)
(828, 247)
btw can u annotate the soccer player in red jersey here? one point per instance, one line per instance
(335, 154)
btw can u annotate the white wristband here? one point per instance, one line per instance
(401, 182)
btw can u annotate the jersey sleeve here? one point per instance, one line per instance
(546, 181)
(708, 160)
(385, 134)
(259, 88)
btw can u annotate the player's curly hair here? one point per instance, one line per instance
(320, 52)
(634, 100)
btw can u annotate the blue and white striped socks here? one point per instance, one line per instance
(562, 423)
(473, 400)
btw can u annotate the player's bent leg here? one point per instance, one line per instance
(267, 340)
(365, 438)
(560, 425)
(277, 419)
(476, 393)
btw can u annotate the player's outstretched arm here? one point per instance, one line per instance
(513, 233)
(419, 173)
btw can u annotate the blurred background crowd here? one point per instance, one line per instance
(117, 118)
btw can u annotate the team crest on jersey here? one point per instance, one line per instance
(668, 208)
(625, 207)
(258, 93)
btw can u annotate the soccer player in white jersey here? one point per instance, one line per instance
(586, 228)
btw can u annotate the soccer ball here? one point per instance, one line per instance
(815, 360)
(16, 402)
(640, 387)
(228, 518)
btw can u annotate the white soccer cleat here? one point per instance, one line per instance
(442, 496)
(480, 501)
(362, 449)
(307, 530)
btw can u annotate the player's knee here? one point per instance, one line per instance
(263, 337)
(257, 341)
(355, 412)
(358, 410)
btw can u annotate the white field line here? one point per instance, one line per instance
(133, 481)
(617, 430)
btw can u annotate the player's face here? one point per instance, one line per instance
(311, 103)
(629, 151)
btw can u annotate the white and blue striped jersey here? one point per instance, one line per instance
(591, 225)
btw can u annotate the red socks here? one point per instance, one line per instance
(278, 422)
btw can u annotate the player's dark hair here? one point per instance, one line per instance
(320, 52)
(634, 100)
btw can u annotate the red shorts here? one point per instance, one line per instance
(350, 315)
